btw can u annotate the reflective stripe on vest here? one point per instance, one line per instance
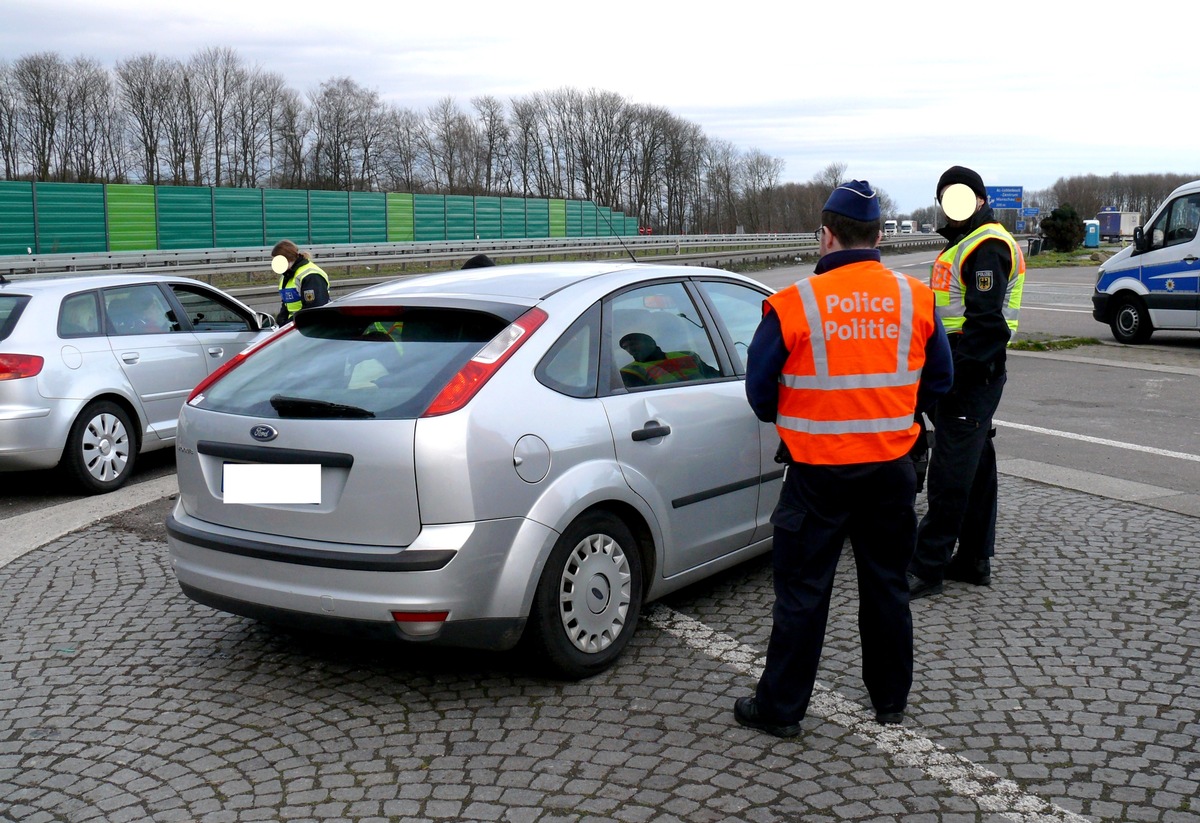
(856, 341)
(289, 292)
(950, 291)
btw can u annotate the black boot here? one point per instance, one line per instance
(975, 572)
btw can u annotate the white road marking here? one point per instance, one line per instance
(1100, 441)
(963, 777)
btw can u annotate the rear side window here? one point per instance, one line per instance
(349, 364)
(11, 306)
(79, 316)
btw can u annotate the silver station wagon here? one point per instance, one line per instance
(515, 454)
(94, 368)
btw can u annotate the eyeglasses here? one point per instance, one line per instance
(817, 233)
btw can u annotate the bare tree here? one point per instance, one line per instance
(217, 73)
(254, 102)
(290, 140)
(41, 81)
(10, 111)
(144, 84)
(401, 164)
(831, 176)
(493, 143)
(446, 142)
(89, 102)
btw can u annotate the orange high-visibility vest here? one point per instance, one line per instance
(856, 339)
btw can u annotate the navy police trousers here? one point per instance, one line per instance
(819, 507)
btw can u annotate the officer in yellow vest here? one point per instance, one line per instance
(651, 365)
(977, 282)
(302, 283)
(840, 363)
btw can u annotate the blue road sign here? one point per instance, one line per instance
(1005, 197)
(1030, 211)
(1020, 225)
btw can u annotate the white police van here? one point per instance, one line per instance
(1155, 283)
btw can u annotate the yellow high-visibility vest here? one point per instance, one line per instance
(949, 290)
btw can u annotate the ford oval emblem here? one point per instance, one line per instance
(264, 433)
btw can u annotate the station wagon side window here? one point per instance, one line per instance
(141, 309)
(207, 312)
(659, 339)
(79, 315)
(1177, 224)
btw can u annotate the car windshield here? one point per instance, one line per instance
(11, 306)
(386, 364)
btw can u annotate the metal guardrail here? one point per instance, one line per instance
(677, 248)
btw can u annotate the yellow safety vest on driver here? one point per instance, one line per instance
(949, 291)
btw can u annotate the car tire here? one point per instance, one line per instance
(588, 598)
(1129, 321)
(101, 448)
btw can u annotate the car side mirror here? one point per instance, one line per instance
(265, 321)
(1139, 239)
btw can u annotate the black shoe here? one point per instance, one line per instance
(889, 718)
(977, 573)
(918, 588)
(745, 711)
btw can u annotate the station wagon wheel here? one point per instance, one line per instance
(100, 449)
(1130, 321)
(588, 598)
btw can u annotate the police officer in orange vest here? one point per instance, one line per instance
(978, 280)
(840, 362)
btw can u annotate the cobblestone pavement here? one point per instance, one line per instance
(1068, 690)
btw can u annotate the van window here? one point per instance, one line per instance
(1177, 224)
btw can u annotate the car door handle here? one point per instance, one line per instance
(1191, 258)
(130, 357)
(216, 351)
(650, 431)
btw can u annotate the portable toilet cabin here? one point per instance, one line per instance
(1091, 234)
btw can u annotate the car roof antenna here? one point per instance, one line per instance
(614, 231)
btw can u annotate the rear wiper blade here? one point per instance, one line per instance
(307, 407)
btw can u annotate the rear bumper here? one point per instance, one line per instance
(483, 574)
(493, 634)
(31, 437)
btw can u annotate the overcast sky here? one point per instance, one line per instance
(1023, 92)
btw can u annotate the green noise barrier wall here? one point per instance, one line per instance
(54, 218)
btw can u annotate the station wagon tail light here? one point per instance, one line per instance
(16, 366)
(480, 368)
(231, 364)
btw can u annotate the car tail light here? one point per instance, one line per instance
(420, 624)
(237, 360)
(480, 368)
(16, 366)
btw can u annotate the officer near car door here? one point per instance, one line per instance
(302, 283)
(840, 363)
(977, 280)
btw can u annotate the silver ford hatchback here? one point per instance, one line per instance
(476, 458)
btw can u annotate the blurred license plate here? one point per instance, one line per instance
(267, 483)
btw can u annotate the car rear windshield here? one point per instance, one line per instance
(11, 306)
(355, 364)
